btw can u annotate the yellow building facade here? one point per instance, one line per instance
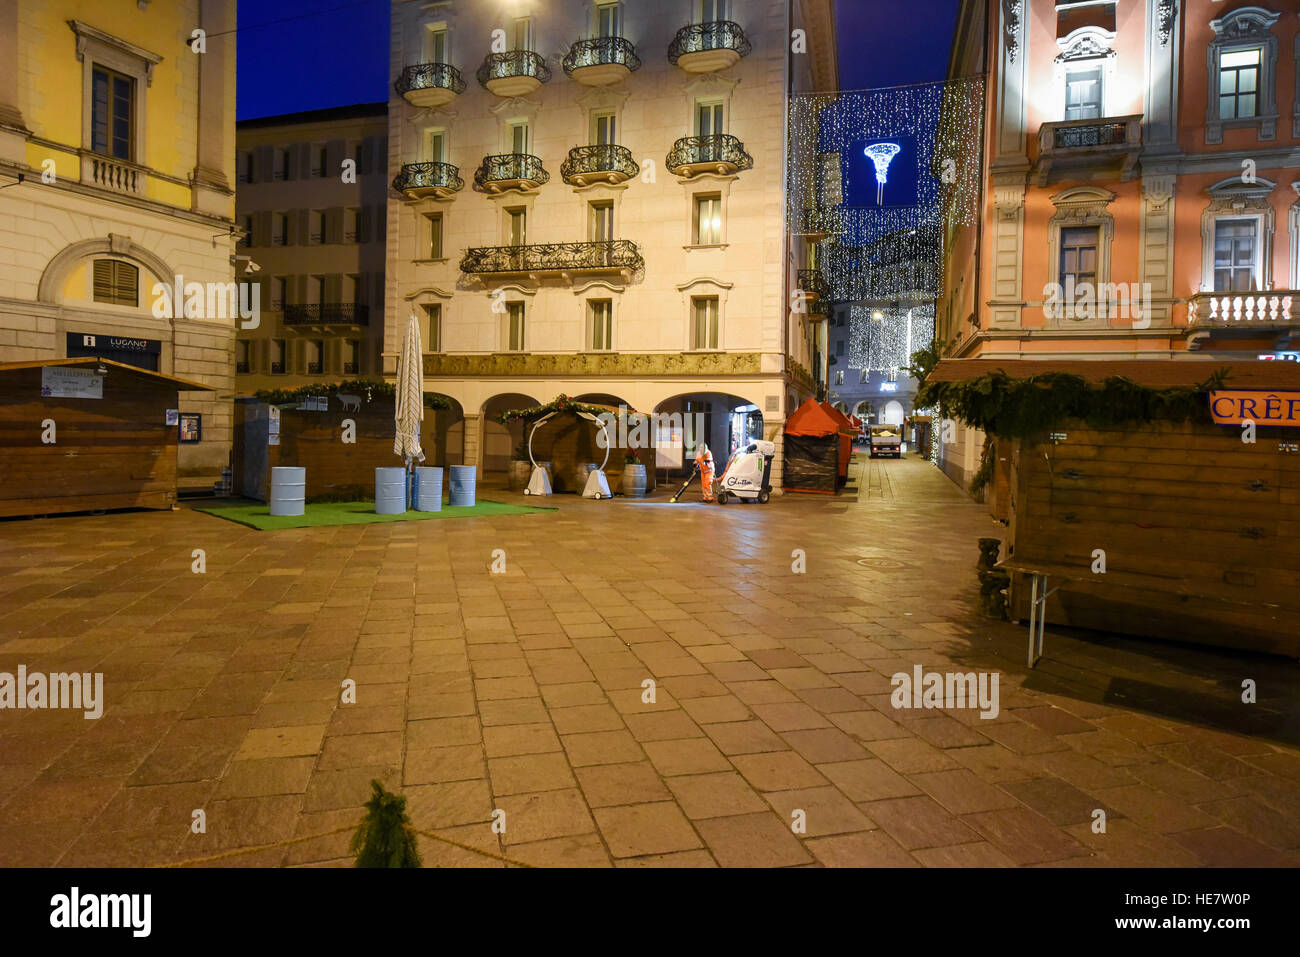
(117, 133)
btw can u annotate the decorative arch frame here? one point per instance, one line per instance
(61, 266)
(1086, 46)
(1232, 198)
(1243, 27)
(1081, 206)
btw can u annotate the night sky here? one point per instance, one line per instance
(311, 54)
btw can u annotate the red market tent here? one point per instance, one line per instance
(846, 433)
(811, 450)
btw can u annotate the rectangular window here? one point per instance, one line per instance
(704, 322)
(1079, 254)
(517, 226)
(523, 33)
(515, 326)
(351, 224)
(600, 222)
(435, 146)
(316, 290)
(708, 219)
(866, 374)
(277, 357)
(116, 283)
(1235, 245)
(279, 229)
(281, 164)
(607, 19)
(708, 119)
(519, 137)
(112, 114)
(839, 377)
(712, 10)
(839, 347)
(435, 46)
(602, 129)
(351, 356)
(247, 228)
(241, 356)
(1239, 83)
(315, 356)
(279, 290)
(320, 160)
(432, 331)
(600, 323)
(434, 249)
(1083, 94)
(316, 226)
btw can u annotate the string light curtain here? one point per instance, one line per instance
(883, 338)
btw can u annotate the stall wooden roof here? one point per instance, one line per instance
(183, 385)
(1152, 373)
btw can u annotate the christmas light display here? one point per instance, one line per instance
(885, 343)
(881, 155)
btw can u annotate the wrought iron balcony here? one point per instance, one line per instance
(601, 61)
(418, 180)
(1109, 145)
(708, 47)
(510, 171)
(1242, 313)
(327, 314)
(811, 282)
(717, 153)
(513, 73)
(604, 163)
(565, 259)
(430, 84)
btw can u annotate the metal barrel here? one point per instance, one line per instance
(288, 490)
(428, 489)
(390, 491)
(461, 486)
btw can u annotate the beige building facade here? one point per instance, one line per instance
(311, 204)
(588, 199)
(117, 181)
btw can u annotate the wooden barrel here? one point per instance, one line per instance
(634, 480)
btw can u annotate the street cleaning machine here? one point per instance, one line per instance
(748, 475)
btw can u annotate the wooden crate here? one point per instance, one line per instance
(1199, 525)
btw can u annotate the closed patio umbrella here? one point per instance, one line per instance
(410, 396)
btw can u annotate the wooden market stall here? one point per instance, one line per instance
(87, 434)
(812, 450)
(1140, 488)
(569, 439)
(307, 427)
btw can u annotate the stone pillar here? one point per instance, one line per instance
(1009, 170)
(13, 131)
(1157, 249)
(1006, 250)
(211, 193)
(775, 430)
(474, 441)
(1163, 38)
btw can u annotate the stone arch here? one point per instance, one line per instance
(60, 267)
(499, 441)
(716, 417)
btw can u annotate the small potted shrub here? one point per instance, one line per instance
(634, 475)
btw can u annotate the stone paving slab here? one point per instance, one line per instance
(644, 685)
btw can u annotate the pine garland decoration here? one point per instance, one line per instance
(368, 389)
(561, 403)
(384, 838)
(1027, 408)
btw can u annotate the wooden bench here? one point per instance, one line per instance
(1039, 572)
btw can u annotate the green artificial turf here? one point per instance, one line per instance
(257, 514)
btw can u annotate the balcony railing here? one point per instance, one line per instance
(430, 84)
(607, 162)
(719, 35)
(620, 255)
(327, 314)
(602, 52)
(513, 64)
(1270, 307)
(1073, 145)
(314, 368)
(113, 174)
(510, 171)
(811, 282)
(425, 179)
(720, 152)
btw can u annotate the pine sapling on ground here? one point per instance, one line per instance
(384, 838)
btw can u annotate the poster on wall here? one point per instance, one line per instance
(173, 417)
(191, 427)
(61, 382)
(668, 448)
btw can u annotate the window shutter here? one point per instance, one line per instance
(335, 154)
(304, 226)
(262, 228)
(334, 225)
(103, 280)
(363, 224)
(362, 156)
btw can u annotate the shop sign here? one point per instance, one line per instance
(1238, 406)
(61, 382)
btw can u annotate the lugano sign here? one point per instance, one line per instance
(1237, 407)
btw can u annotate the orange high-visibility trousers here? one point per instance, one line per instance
(705, 465)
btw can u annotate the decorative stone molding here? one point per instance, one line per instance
(1011, 12)
(595, 364)
(1293, 223)
(60, 267)
(108, 49)
(1158, 190)
(1156, 236)
(1247, 26)
(96, 46)
(1082, 206)
(1166, 16)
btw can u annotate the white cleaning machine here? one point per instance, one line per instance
(748, 475)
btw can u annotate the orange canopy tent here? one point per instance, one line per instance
(811, 450)
(846, 433)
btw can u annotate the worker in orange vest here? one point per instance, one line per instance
(704, 462)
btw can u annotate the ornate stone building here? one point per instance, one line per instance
(588, 200)
(117, 146)
(1141, 171)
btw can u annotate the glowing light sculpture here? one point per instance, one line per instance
(881, 155)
